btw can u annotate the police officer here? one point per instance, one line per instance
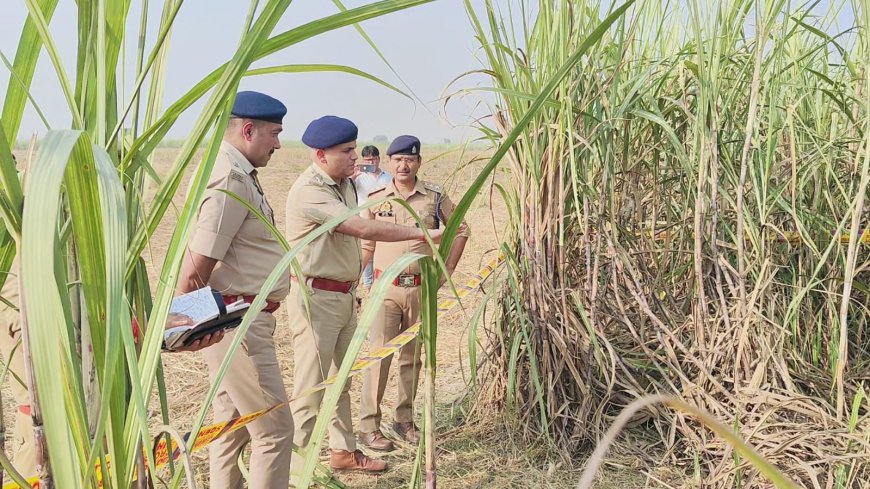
(331, 266)
(366, 182)
(401, 307)
(233, 251)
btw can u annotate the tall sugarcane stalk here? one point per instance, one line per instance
(430, 274)
(43, 466)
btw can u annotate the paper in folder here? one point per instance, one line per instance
(206, 308)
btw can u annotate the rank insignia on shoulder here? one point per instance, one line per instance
(376, 190)
(431, 186)
(316, 179)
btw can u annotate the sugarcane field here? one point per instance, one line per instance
(435, 244)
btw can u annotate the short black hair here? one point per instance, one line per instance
(370, 151)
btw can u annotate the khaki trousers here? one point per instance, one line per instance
(319, 345)
(399, 311)
(252, 382)
(23, 451)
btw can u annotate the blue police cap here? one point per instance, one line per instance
(404, 145)
(329, 131)
(259, 106)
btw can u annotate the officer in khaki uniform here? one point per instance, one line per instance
(401, 307)
(10, 348)
(331, 267)
(234, 252)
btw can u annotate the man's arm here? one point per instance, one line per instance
(458, 245)
(456, 250)
(195, 272)
(219, 219)
(373, 230)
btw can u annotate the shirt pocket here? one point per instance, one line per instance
(427, 216)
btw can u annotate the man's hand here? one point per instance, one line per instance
(436, 234)
(175, 320)
(204, 342)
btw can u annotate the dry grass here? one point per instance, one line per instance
(653, 199)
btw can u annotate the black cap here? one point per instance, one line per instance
(259, 106)
(404, 145)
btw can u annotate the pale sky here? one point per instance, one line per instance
(429, 46)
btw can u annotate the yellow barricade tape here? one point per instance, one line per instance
(210, 433)
(795, 238)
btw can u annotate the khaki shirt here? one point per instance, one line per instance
(314, 199)
(423, 200)
(226, 231)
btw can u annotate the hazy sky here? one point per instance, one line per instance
(428, 45)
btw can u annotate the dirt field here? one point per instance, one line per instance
(481, 455)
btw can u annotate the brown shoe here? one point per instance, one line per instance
(376, 441)
(407, 431)
(355, 461)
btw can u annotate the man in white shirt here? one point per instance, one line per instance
(369, 176)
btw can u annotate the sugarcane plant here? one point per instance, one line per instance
(79, 224)
(687, 217)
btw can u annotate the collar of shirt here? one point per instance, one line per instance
(418, 188)
(237, 157)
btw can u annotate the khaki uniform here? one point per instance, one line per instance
(401, 307)
(10, 347)
(321, 340)
(247, 253)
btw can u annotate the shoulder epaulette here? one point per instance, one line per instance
(376, 190)
(431, 186)
(238, 176)
(316, 179)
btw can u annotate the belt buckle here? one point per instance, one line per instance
(405, 280)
